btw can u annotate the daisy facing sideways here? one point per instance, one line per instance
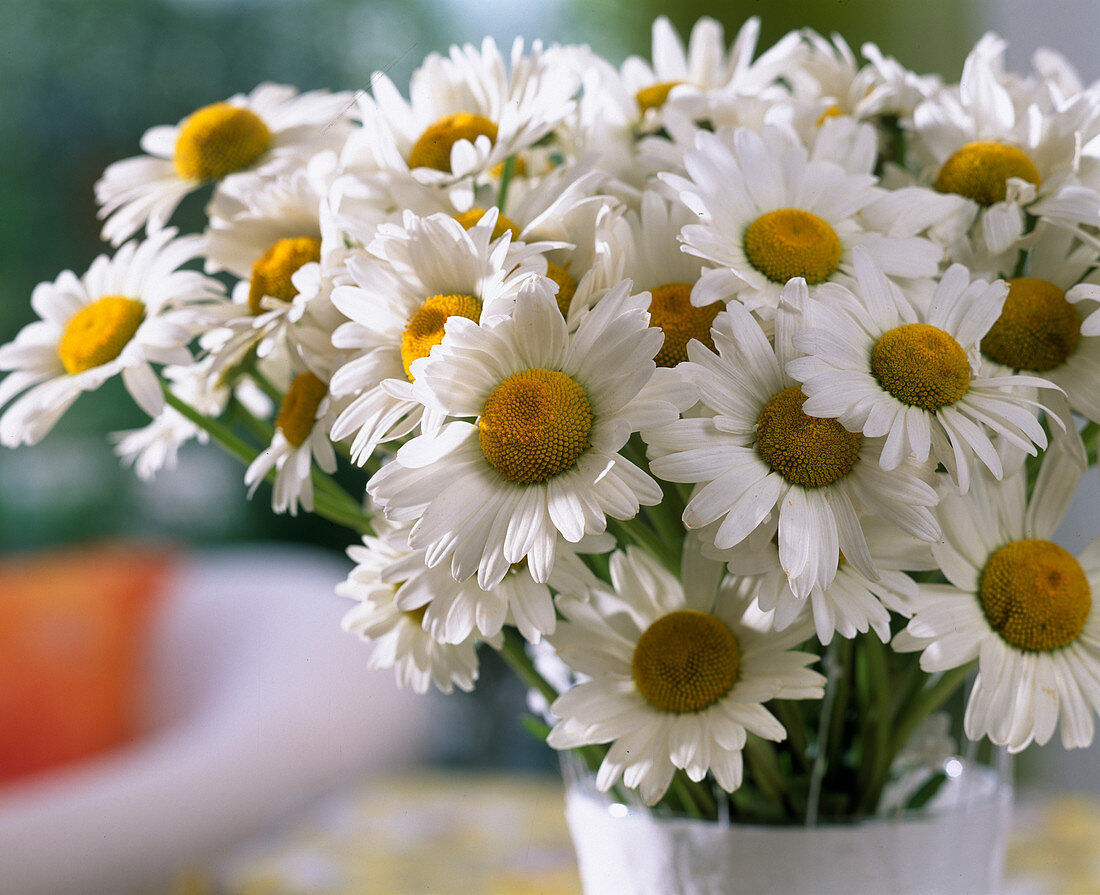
(1018, 603)
(271, 130)
(537, 453)
(125, 314)
(889, 370)
(399, 639)
(675, 675)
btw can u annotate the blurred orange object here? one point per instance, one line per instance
(73, 628)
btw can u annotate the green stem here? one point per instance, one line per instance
(764, 767)
(681, 788)
(926, 702)
(636, 531)
(265, 385)
(339, 509)
(1091, 436)
(505, 181)
(876, 745)
(515, 656)
(789, 714)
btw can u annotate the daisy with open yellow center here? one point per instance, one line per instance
(881, 372)
(1042, 329)
(467, 112)
(790, 242)
(685, 661)
(540, 416)
(125, 314)
(301, 439)
(1019, 603)
(425, 327)
(218, 140)
(433, 148)
(980, 171)
(272, 271)
(534, 425)
(98, 332)
(401, 295)
(1037, 330)
(768, 212)
(271, 131)
(1014, 156)
(671, 311)
(759, 456)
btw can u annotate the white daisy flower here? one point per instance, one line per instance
(300, 440)
(676, 675)
(271, 130)
(854, 602)
(761, 454)
(772, 212)
(280, 240)
(829, 80)
(684, 76)
(1040, 329)
(885, 369)
(399, 639)
(552, 411)
(1000, 149)
(156, 445)
(653, 260)
(125, 314)
(452, 610)
(401, 292)
(1018, 603)
(467, 112)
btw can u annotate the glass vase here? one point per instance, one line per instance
(955, 844)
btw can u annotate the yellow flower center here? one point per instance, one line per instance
(980, 171)
(519, 167)
(271, 272)
(1035, 595)
(655, 95)
(469, 219)
(416, 616)
(424, 329)
(567, 286)
(1037, 330)
(790, 242)
(534, 425)
(671, 311)
(433, 148)
(921, 366)
(686, 661)
(98, 332)
(834, 111)
(806, 450)
(299, 408)
(219, 139)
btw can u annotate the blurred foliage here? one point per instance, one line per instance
(933, 36)
(81, 81)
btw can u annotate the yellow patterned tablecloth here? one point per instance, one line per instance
(443, 834)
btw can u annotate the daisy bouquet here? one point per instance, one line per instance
(734, 398)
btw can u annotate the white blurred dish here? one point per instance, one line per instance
(258, 702)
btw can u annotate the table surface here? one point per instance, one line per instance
(440, 833)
